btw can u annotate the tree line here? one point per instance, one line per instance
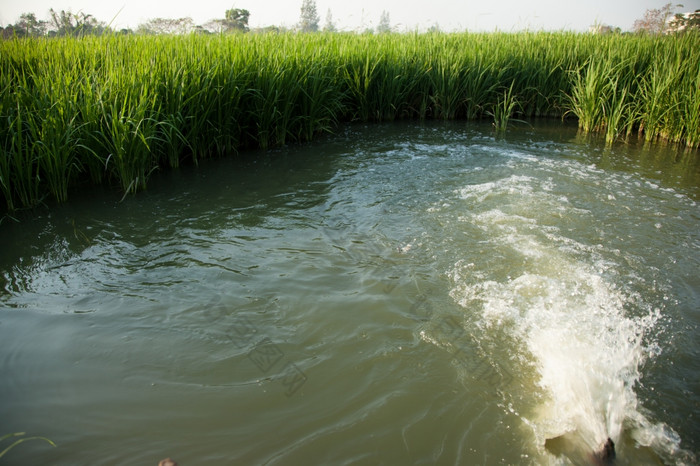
(67, 23)
(664, 21)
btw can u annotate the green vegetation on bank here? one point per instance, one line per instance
(114, 108)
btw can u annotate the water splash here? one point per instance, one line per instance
(559, 301)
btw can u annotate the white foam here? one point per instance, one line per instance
(558, 299)
(514, 184)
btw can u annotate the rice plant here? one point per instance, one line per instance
(360, 76)
(502, 111)
(128, 131)
(112, 109)
(20, 166)
(589, 94)
(322, 101)
(54, 129)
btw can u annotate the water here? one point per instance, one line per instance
(395, 294)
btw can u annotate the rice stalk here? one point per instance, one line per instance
(504, 109)
(126, 136)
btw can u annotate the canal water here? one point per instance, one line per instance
(393, 294)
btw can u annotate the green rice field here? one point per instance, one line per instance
(113, 109)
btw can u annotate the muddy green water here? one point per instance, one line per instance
(394, 294)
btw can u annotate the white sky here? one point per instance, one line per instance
(474, 15)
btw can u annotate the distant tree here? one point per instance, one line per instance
(211, 26)
(30, 25)
(604, 29)
(308, 22)
(384, 23)
(63, 23)
(236, 20)
(329, 26)
(10, 31)
(27, 26)
(655, 20)
(685, 22)
(67, 23)
(270, 30)
(166, 26)
(200, 29)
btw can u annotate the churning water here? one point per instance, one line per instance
(396, 294)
